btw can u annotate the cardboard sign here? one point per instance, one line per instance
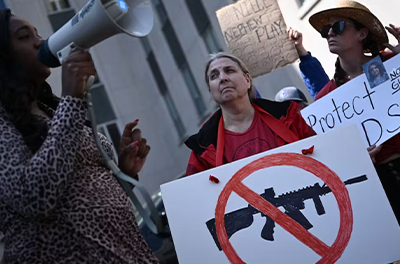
(255, 32)
(316, 206)
(376, 110)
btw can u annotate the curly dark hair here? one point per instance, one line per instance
(16, 95)
(369, 44)
(377, 65)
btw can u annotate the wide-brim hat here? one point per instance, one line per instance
(357, 12)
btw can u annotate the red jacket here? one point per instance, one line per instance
(207, 146)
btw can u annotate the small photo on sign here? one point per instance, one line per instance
(376, 72)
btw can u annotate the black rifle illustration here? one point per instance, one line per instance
(292, 202)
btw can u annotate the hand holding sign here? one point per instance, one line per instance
(395, 31)
(323, 223)
(369, 103)
(373, 151)
(297, 38)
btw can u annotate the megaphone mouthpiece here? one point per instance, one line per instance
(46, 57)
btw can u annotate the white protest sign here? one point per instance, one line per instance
(376, 111)
(347, 223)
(255, 32)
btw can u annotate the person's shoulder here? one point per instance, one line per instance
(329, 87)
(207, 134)
(276, 109)
(387, 54)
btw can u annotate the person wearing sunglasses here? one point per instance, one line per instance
(352, 31)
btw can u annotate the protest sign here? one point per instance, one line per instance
(376, 110)
(262, 208)
(255, 31)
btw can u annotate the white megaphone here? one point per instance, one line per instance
(95, 22)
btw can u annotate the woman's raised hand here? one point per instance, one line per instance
(395, 31)
(133, 150)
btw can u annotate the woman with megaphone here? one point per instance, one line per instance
(59, 203)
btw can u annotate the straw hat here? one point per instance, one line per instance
(355, 11)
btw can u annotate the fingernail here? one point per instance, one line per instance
(137, 120)
(136, 143)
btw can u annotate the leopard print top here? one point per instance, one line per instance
(62, 204)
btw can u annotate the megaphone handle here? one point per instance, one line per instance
(89, 82)
(62, 54)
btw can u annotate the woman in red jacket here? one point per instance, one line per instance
(243, 126)
(352, 31)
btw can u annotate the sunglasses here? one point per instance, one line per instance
(337, 28)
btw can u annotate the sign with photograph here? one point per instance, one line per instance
(327, 206)
(375, 72)
(371, 101)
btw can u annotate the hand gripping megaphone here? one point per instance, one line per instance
(95, 22)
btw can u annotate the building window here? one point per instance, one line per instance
(59, 19)
(203, 25)
(111, 132)
(59, 12)
(114, 135)
(163, 88)
(105, 116)
(194, 90)
(174, 114)
(162, 13)
(101, 104)
(210, 40)
(174, 44)
(57, 5)
(2, 4)
(179, 57)
(305, 6)
(146, 46)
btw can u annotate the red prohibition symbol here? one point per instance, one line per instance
(329, 254)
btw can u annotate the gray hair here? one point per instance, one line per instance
(239, 62)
